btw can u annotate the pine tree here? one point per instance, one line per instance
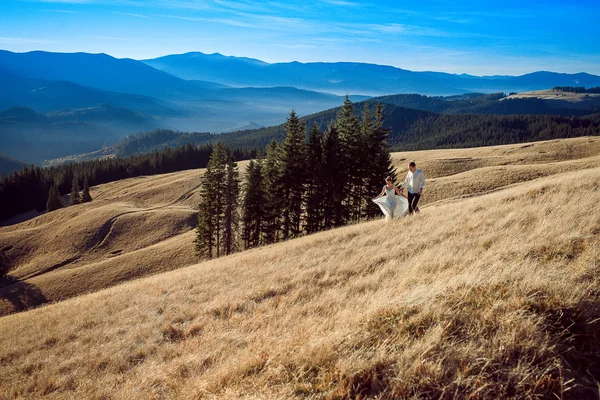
(347, 125)
(379, 164)
(231, 217)
(75, 196)
(293, 161)
(54, 200)
(204, 242)
(85, 196)
(334, 212)
(314, 193)
(253, 205)
(211, 208)
(272, 177)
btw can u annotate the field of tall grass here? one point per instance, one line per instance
(490, 296)
(143, 226)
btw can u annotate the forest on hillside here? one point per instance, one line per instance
(410, 129)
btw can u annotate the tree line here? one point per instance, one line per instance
(32, 187)
(309, 182)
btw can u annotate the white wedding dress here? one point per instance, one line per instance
(392, 205)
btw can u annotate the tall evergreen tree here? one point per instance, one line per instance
(85, 196)
(380, 161)
(54, 201)
(354, 154)
(293, 161)
(272, 175)
(378, 164)
(314, 189)
(75, 196)
(253, 205)
(231, 217)
(211, 208)
(334, 211)
(204, 242)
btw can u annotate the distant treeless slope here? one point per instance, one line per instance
(488, 297)
(141, 226)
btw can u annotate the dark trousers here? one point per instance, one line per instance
(413, 200)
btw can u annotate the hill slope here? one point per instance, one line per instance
(493, 296)
(142, 226)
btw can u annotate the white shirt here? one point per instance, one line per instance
(415, 181)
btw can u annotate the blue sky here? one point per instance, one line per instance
(475, 37)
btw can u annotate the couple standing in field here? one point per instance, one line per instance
(392, 200)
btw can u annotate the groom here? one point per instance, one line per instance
(415, 180)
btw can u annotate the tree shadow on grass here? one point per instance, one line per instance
(16, 295)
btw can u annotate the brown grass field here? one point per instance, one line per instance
(559, 96)
(492, 291)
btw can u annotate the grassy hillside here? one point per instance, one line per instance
(141, 226)
(489, 296)
(540, 102)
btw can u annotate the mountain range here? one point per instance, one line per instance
(57, 104)
(361, 78)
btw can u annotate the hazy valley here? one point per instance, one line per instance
(55, 105)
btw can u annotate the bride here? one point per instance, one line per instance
(392, 205)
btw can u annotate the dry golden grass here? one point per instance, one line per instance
(132, 228)
(551, 94)
(142, 226)
(488, 296)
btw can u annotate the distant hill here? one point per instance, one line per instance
(98, 71)
(557, 98)
(9, 164)
(35, 137)
(47, 95)
(222, 109)
(48, 82)
(411, 129)
(361, 78)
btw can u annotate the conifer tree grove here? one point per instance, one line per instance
(75, 196)
(54, 200)
(299, 187)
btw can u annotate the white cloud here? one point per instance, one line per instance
(108, 38)
(131, 14)
(66, 1)
(63, 11)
